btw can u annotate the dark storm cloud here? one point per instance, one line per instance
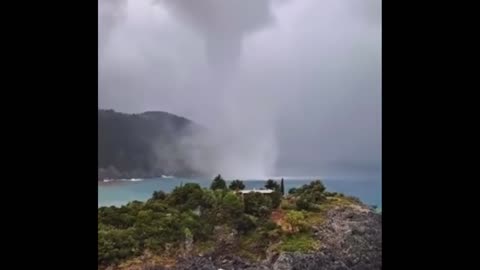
(223, 24)
(304, 93)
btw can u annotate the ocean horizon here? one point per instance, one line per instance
(367, 188)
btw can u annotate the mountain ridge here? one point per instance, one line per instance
(149, 144)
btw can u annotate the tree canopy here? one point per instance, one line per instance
(218, 183)
(273, 185)
(237, 185)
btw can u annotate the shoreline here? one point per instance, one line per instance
(118, 190)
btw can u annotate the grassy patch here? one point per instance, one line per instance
(139, 263)
(298, 242)
(287, 205)
(317, 215)
(344, 201)
(254, 245)
(205, 247)
(249, 255)
(312, 219)
(332, 202)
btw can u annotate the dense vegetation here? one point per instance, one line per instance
(236, 185)
(189, 218)
(310, 195)
(142, 145)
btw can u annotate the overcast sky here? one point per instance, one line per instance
(290, 86)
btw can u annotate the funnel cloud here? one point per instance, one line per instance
(283, 87)
(110, 14)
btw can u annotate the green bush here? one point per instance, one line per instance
(287, 205)
(257, 204)
(309, 195)
(156, 206)
(116, 217)
(330, 194)
(231, 205)
(221, 206)
(298, 242)
(313, 187)
(188, 196)
(303, 203)
(276, 198)
(244, 224)
(269, 225)
(296, 219)
(115, 245)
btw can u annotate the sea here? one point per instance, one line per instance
(366, 187)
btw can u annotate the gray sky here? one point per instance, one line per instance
(288, 86)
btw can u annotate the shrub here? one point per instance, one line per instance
(188, 196)
(313, 187)
(257, 204)
(244, 224)
(231, 205)
(296, 219)
(276, 198)
(287, 205)
(298, 242)
(308, 195)
(269, 225)
(303, 203)
(115, 245)
(330, 194)
(156, 206)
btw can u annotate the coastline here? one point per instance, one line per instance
(368, 192)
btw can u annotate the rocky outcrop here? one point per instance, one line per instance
(197, 262)
(321, 260)
(219, 262)
(353, 235)
(351, 239)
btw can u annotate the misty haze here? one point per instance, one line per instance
(285, 87)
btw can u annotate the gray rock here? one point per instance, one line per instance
(195, 263)
(351, 239)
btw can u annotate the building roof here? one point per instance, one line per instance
(256, 190)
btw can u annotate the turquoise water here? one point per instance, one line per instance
(366, 188)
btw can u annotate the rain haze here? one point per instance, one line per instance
(285, 87)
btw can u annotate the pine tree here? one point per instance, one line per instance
(282, 188)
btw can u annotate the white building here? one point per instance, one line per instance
(256, 190)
